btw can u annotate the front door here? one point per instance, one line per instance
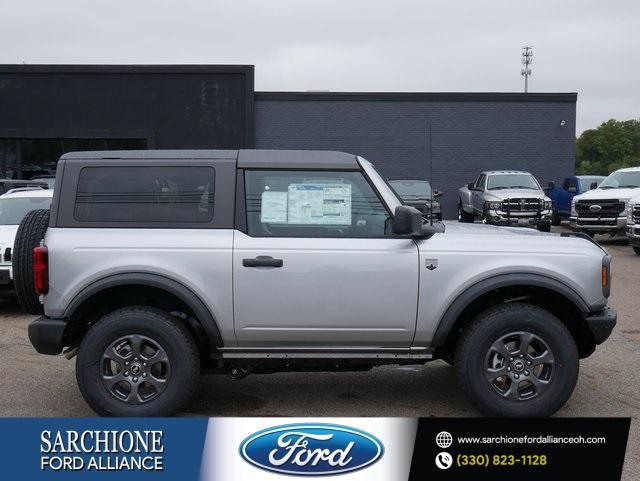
(318, 265)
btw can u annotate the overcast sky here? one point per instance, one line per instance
(584, 46)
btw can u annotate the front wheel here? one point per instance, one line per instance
(556, 220)
(517, 360)
(544, 227)
(137, 361)
(636, 250)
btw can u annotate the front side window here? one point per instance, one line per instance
(145, 194)
(313, 204)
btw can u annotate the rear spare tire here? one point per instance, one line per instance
(31, 231)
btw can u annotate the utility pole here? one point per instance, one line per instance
(527, 59)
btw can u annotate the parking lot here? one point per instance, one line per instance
(35, 385)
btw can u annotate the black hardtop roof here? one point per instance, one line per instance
(254, 158)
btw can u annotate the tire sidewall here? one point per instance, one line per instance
(182, 376)
(553, 333)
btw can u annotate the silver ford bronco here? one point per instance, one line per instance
(155, 266)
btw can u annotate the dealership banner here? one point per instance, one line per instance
(381, 449)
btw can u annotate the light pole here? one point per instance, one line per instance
(527, 59)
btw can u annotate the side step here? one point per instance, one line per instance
(422, 353)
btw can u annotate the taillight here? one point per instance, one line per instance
(41, 269)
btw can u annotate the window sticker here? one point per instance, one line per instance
(319, 204)
(274, 208)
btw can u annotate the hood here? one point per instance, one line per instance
(453, 227)
(7, 235)
(514, 193)
(597, 194)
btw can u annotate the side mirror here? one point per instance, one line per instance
(471, 186)
(406, 221)
(552, 185)
(437, 193)
(594, 185)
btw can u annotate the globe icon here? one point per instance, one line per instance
(444, 439)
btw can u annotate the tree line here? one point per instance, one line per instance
(613, 145)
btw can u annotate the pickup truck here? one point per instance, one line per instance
(563, 195)
(604, 210)
(505, 197)
(633, 224)
(418, 194)
(154, 266)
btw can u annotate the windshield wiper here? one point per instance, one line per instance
(628, 187)
(523, 187)
(498, 188)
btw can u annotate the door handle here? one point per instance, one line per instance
(262, 261)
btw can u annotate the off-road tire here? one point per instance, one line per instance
(174, 338)
(488, 327)
(464, 216)
(31, 231)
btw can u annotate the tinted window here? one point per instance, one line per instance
(145, 194)
(408, 189)
(313, 204)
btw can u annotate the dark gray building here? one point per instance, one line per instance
(46, 110)
(470, 132)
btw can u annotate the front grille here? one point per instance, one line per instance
(522, 205)
(599, 209)
(636, 214)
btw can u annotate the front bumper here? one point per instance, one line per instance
(500, 217)
(598, 225)
(601, 323)
(46, 335)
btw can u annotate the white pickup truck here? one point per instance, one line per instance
(505, 197)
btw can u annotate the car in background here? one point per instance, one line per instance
(633, 224)
(48, 179)
(14, 205)
(505, 197)
(9, 184)
(418, 193)
(604, 210)
(563, 195)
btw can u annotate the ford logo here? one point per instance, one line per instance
(311, 449)
(595, 208)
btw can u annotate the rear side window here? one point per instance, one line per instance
(145, 194)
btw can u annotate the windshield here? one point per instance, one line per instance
(622, 180)
(411, 188)
(585, 182)
(13, 210)
(512, 181)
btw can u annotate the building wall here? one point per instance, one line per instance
(469, 132)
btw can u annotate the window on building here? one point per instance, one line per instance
(145, 194)
(22, 158)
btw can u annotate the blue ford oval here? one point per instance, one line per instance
(316, 449)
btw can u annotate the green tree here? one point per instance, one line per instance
(613, 145)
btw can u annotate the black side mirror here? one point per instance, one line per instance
(436, 194)
(552, 185)
(406, 221)
(594, 185)
(471, 186)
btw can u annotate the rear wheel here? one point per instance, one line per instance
(137, 361)
(517, 360)
(31, 231)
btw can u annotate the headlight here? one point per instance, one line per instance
(493, 205)
(548, 204)
(574, 212)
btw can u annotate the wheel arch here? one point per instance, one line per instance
(456, 309)
(202, 314)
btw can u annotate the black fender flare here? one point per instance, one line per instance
(459, 304)
(172, 286)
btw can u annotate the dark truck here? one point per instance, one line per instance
(563, 195)
(418, 193)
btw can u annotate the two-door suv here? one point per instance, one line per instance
(154, 266)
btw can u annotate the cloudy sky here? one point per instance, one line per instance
(585, 46)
